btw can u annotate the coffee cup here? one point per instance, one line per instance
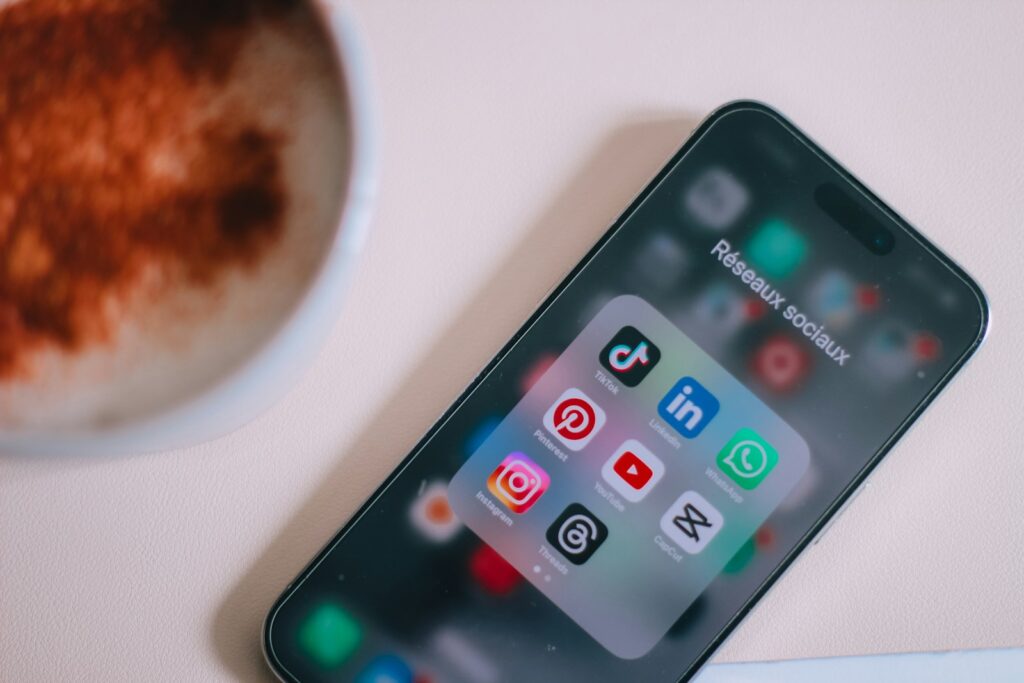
(195, 356)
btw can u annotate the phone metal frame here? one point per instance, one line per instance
(820, 525)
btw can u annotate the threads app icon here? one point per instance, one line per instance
(577, 533)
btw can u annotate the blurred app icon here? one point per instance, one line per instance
(763, 540)
(926, 346)
(432, 516)
(747, 459)
(934, 286)
(777, 249)
(722, 311)
(894, 351)
(492, 572)
(536, 371)
(329, 635)
(837, 299)
(869, 297)
(888, 353)
(716, 199)
(386, 669)
(480, 433)
(661, 262)
(742, 559)
(766, 537)
(464, 656)
(781, 363)
(833, 299)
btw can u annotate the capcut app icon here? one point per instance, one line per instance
(688, 407)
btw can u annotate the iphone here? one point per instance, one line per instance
(677, 421)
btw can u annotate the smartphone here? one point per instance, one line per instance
(677, 421)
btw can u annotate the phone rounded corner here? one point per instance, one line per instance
(747, 105)
(984, 312)
(983, 326)
(270, 657)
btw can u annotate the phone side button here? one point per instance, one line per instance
(839, 513)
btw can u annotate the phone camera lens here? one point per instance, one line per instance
(852, 215)
(883, 242)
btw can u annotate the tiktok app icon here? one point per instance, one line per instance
(577, 533)
(629, 356)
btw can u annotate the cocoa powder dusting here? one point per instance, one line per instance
(115, 171)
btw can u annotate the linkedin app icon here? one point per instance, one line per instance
(688, 407)
(622, 494)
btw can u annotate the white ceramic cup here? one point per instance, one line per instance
(255, 383)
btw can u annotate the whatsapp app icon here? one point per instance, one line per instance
(747, 459)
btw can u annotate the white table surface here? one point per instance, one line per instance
(512, 135)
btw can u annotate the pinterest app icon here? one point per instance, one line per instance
(575, 419)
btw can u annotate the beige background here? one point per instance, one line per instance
(513, 134)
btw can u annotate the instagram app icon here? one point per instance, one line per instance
(518, 482)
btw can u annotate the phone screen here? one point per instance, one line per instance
(658, 441)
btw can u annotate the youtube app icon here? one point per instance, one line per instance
(633, 471)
